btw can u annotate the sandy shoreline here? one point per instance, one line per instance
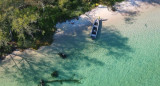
(126, 8)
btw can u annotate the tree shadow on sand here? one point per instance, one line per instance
(130, 14)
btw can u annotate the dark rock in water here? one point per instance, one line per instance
(62, 55)
(55, 74)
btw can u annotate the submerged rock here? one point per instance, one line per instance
(62, 55)
(55, 74)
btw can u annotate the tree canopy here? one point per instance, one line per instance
(30, 23)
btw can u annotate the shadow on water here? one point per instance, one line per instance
(129, 15)
(115, 43)
(99, 30)
(129, 20)
(29, 69)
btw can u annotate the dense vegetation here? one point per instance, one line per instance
(31, 23)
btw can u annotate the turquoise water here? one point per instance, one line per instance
(125, 54)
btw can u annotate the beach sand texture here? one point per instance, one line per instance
(126, 52)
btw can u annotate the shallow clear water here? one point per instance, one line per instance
(126, 53)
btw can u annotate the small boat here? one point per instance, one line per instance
(95, 29)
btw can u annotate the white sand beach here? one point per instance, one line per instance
(126, 8)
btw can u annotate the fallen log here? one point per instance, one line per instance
(43, 83)
(65, 80)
